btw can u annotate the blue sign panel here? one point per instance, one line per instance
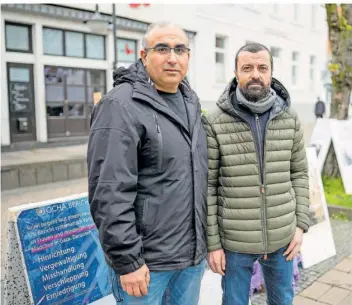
(62, 254)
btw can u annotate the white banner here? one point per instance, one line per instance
(342, 140)
(318, 244)
(320, 140)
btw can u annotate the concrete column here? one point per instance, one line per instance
(39, 85)
(110, 38)
(5, 123)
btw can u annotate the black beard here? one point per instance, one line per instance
(254, 94)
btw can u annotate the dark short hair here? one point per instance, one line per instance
(253, 47)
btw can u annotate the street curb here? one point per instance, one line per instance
(31, 174)
(337, 210)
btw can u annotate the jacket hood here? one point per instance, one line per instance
(283, 102)
(131, 74)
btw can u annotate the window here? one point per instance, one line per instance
(220, 44)
(275, 8)
(96, 84)
(294, 72)
(73, 44)
(19, 74)
(75, 91)
(295, 56)
(276, 54)
(53, 42)
(295, 12)
(313, 17)
(95, 46)
(18, 37)
(126, 50)
(19, 89)
(54, 91)
(76, 86)
(311, 71)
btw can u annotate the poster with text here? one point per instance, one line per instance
(318, 244)
(320, 140)
(63, 259)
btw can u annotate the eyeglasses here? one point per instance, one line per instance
(166, 50)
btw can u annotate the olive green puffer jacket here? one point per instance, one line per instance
(246, 214)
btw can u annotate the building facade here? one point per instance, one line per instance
(54, 65)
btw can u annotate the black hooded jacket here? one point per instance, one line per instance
(147, 176)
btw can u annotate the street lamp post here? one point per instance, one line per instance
(115, 39)
(97, 24)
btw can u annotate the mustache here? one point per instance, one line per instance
(255, 82)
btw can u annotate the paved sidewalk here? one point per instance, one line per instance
(334, 287)
(41, 155)
(329, 282)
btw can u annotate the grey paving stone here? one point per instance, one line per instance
(343, 243)
(60, 172)
(316, 290)
(27, 176)
(334, 296)
(9, 179)
(75, 170)
(345, 265)
(44, 174)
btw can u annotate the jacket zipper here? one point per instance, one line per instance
(160, 143)
(262, 188)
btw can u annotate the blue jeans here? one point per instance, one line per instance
(278, 276)
(177, 287)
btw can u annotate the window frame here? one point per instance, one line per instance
(62, 38)
(275, 52)
(313, 16)
(275, 8)
(30, 36)
(296, 9)
(83, 40)
(117, 38)
(312, 66)
(220, 51)
(295, 64)
(85, 46)
(84, 43)
(86, 87)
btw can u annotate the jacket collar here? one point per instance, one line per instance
(144, 90)
(224, 102)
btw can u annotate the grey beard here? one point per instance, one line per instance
(255, 96)
(260, 106)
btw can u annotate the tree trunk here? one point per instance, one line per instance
(331, 167)
(340, 36)
(340, 104)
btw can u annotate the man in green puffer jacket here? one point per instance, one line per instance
(258, 181)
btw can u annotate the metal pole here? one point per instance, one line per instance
(115, 38)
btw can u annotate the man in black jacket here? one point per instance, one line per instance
(319, 108)
(147, 168)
